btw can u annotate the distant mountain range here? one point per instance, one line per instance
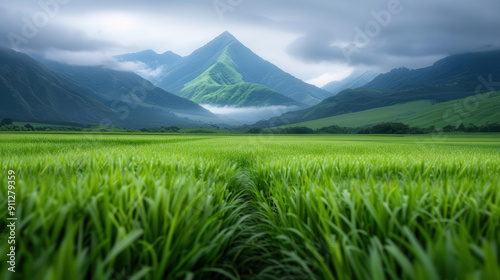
(458, 70)
(225, 72)
(150, 58)
(451, 78)
(32, 92)
(355, 80)
(111, 86)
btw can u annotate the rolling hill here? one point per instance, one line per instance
(182, 76)
(422, 114)
(347, 101)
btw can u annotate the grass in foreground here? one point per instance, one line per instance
(254, 207)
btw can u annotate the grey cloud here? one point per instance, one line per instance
(423, 30)
(19, 30)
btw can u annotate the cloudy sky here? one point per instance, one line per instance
(315, 40)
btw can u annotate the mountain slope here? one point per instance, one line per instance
(463, 68)
(111, 86)
(355, 80)
(222, 85)
(452, 78)
(30, 91)
(251, 67)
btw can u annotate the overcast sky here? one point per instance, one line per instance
(315, 40)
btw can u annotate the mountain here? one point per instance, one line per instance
(150, 58)
(222, 85)
(111, 86)
(29, 91)
(193, 75)
(451, 78)
(355, 80)
(457, 69)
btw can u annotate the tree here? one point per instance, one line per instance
(174, 129)
(390, 128)
(6, 121)
(449, 128)
(461, 127)
(333, 129)
(299, 130)
(472, 128)
(491, 127)
(255, 130)
(29, 127)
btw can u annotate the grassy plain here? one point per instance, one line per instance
(116, 206)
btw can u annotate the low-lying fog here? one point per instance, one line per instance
(249, 115)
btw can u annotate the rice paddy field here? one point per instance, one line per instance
(111, 206)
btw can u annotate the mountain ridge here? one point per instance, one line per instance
(448, 70)
(113, 85)
(353, 81)
(222, 85)
(451, 78)
(30, 91)
(150, 58)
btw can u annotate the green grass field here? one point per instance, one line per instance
(252, 207)
(421, 113)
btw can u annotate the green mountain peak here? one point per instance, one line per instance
(222, 84)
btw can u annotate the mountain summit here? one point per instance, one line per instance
(226, 38)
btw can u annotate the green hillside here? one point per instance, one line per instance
(222, 85)
(422, 113)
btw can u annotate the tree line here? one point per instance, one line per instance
(382, 128)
